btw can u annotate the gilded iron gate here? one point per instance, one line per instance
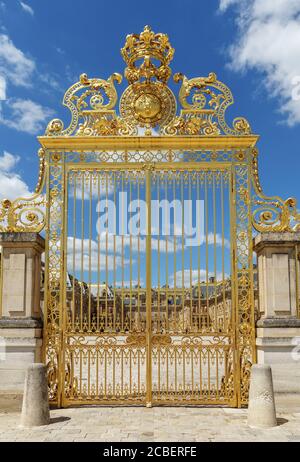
(149, 219)
(158, 309)
(144, 322)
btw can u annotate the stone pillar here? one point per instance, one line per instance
(278, 329)
(20, 307)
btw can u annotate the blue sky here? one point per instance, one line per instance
(45, 45)
(252, 45)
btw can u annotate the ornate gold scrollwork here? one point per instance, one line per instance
(204, 114)
(92, 100)
(138, 339)
(272, 214)
(26, 214)
(147, 101)
(276, 215)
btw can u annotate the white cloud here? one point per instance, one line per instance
(193, 275)
(8, 161)
(26, 116)
(19, 70)
(27, 8)
(85, 255)
(268, 42)
(224, 4)
(14, 65)
(11, 183)
(2, 88)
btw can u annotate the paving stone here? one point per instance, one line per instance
(152, 425)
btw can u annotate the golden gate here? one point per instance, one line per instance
(143, 317)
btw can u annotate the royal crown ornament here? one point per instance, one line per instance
(147, 46)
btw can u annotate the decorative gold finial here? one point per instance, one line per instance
(147, 46)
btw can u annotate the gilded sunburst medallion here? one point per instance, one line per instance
(147, 104)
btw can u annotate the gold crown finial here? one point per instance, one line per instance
(147, 46)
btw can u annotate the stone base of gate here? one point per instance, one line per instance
(278, 329)
(278, 344)
(20, 346)
(20, 307)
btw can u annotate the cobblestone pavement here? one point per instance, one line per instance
(134, 424)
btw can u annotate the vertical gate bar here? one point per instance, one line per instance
(192, 371)
(90, 251)
(80, 372)
(225, 323)
(63, 285)
(226, 356)
(122, 371)
(74, 249)
(98, 256)
(114, 263)
(47, 251)
(174, 256)
(217, 373)
(139, 259)
(130, 258)
(206, 250)
(183, 372)
(89, 373)
(130, 372)
(167, 255)
(106, 252)
(191, 261)
(199, 256)
(114, 371)
(97, 374)
(167, 372)
(175, 368)
(215, 251)
(105, 372)
(200, 348)
(250, 266)
(158, 256)
(139, 371)
(208, 371)
(122, 253)
(159, 371)
(182, 250)
(148, 290)
(235, 313)
(82, 242)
